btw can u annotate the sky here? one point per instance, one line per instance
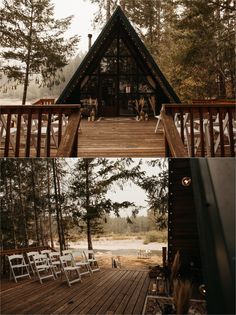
(82, 22)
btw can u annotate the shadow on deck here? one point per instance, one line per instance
(106, 292)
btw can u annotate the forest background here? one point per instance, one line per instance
(58, 201)
(193, 43)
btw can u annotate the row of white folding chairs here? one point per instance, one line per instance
(206, 126)
(50, 264)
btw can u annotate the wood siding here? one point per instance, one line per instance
(182, 222)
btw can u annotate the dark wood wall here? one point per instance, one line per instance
(182, 222)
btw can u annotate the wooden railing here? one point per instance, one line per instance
(36, 130)
(199, 129)
(23, 250)
(68, 145)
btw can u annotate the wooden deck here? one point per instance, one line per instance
(120, 138)
(109, 291)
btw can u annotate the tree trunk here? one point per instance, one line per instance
(108, 10)
(9, 201)
(88, 222)
(158, 23)
(41, 229)
(89, 236)
(27, 71)
(56, 203)
(232, 85)
(34, 203)
(22, 206)
(60, 210)
(220, 62)
(122, 4)
(49, 205)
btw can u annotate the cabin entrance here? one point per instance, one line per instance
(115, 98)
(108, 99)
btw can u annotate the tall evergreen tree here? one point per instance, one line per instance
(205, 56)
(89, 186)
(32, 42)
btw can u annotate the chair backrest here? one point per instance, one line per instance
(89, 254)
(46, 251)
(79, 256)
(54, 256)
(14, 260)
(40, 260)
(67, 252)
(30, 256)
(67, 261)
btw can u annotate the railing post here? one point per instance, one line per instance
(167, 147)
(75, 146)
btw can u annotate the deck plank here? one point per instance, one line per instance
(87, 300)
(122, 287)
(120, 138)
(134, 297)
(106, 292)
(121, 294)
(142, 294)
(122, 306)
(100, 297)
(66, 297)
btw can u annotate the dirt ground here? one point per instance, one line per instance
(129, 262)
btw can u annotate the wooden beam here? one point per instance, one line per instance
(171, 133)
(66, 148)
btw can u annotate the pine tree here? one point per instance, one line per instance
(32, 42)
(156, 187)
(91, 181)
(205, 55)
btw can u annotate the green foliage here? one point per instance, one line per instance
(119, 226)
(156, 187)
(193, 42)
(155, 236)
(32, 42)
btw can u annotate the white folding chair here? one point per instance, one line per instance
(67, 252)
(46, 252)
(68, 268)
(54, 260)
(81, 262)
(31, 261)
(17, 262)
(225, 127)
(90, 257)
(196, 130)
(53, 132)
(43, 267)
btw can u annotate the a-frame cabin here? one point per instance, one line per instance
(117, 72)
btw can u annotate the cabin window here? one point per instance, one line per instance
(118, 82)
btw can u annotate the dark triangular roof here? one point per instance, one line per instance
(119, 16)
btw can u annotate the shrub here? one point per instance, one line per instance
(155, 236)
